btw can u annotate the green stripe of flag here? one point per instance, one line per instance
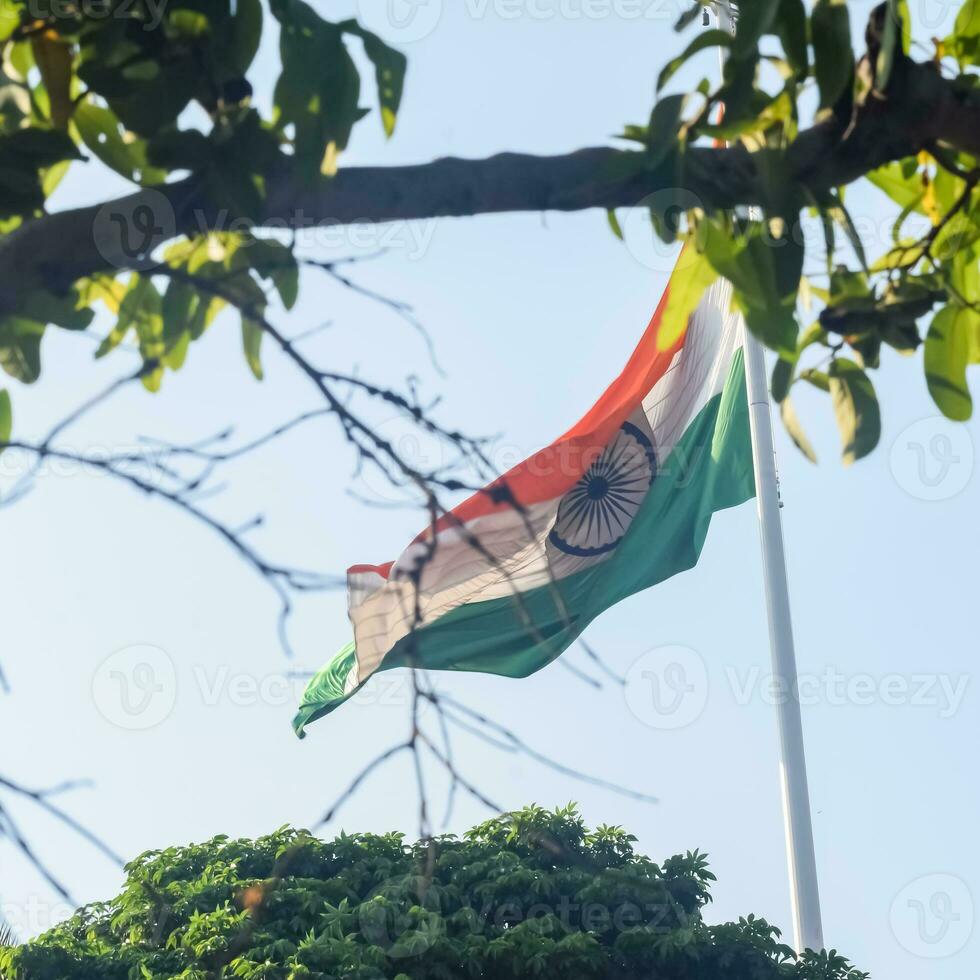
(709, 470)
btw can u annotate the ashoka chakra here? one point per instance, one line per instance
(596, 513)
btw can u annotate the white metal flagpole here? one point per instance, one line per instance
(804, 895)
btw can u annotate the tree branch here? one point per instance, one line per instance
(920, 107)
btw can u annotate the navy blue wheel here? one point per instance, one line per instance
(596, 513)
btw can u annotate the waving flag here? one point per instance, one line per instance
(507, 580)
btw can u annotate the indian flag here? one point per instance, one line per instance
(623, 500)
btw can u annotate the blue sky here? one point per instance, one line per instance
(530, 316)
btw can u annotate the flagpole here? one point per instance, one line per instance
(804, 894)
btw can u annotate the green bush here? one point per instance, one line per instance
(531, 894)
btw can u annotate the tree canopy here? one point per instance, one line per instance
(160, 94)
(529, 894)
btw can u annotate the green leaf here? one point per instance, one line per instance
(20, 348)
(273, 260)
(24, 155)
(964, 42)
(842, 216)
(819, 379)
(147, 94)
(40, 147)
(965, 270)
(765, 273)
(833, 57)
(947, 353)
(906, 19)
(706, 39)
(177, 310)
(855, 408)
(614, 224)
(252, 345)
(6, 418)
(140, 310)
(52, 176)
(689, 15)
(968, 19)
(892, 42)
(692, 276)
(754, 20)
(179, 149)
(101, 131)
(662, 130)
(176, 352)
(782, 378)
(389, 72)
(246, 33)
(791, 27)
(902, 253)
(792, 423)
(318, 90)
(62, 311)
(814, 334)
(905, 191)
(9, 19)
(188, 23)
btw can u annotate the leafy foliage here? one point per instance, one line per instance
(930, 267)
(533, 893)
(158, 91)
(115, 79)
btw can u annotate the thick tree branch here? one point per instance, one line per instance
(921, 108)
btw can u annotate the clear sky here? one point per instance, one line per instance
(530, 316)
